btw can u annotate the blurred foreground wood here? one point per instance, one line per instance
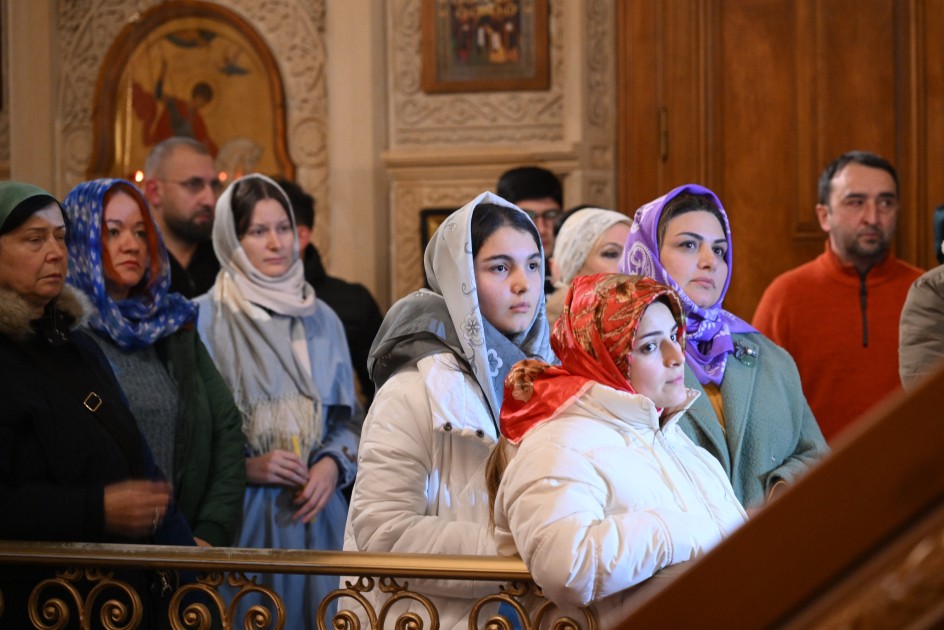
(858, 543)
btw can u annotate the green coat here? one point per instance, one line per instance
(770, 431)
(209, 459)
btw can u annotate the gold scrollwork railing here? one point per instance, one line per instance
(86, 593)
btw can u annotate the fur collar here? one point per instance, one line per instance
(16, 315)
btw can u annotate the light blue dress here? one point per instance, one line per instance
(267, 510)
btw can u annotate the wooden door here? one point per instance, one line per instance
(753, 98)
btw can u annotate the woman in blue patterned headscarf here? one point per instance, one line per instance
(183, 407)
(134, 308)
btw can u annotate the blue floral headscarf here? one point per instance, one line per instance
(142, 318)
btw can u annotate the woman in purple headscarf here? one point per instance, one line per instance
(753, 416)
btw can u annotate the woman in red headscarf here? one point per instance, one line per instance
(603, 489)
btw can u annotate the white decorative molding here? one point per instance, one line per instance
(408, 198)
(444, 149)
(600, 42)
(596, 178)
(466, 118)
(406, 273)
(292, 29)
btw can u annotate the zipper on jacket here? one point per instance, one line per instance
(863, 306)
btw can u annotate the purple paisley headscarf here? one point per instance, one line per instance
(708, 329)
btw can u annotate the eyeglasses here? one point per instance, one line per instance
(547, 215)
(195, 185)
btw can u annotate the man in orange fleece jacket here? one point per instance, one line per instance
(837, 315)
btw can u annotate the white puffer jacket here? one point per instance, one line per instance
(600, 498)
(421, 483)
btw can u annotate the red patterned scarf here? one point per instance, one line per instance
(593, 340)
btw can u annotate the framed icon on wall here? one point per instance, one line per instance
(485, 45)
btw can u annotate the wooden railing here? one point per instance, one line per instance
(858, 543)
(202, 605)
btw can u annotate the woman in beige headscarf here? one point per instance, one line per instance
(590, 241)
(284, 354)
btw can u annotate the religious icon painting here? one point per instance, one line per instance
(190, 69)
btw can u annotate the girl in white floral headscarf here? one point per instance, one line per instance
(439, 363)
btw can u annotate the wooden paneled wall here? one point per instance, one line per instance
(754, 97)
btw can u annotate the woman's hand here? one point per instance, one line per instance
(322, 482)
(276, 467)
(135, 508)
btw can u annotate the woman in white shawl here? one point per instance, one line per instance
(439, 363)
(589, 242)
(284, 355)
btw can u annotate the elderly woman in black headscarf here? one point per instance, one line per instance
(73, 464)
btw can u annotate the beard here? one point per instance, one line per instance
(865, 253)
(870, 250)
(193, 230)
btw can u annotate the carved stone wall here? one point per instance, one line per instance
(292, 29)
(437, 145)
(482, 118)
(599, 92)
(443, 149)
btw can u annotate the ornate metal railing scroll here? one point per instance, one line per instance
(85, 588)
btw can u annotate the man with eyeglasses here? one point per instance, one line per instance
(837, 315)
(538, 192)
(182, 184)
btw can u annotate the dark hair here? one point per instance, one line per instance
(685, 203)
(864, 158)
(529, 182)
(27, 208)
(202, 90)
(303, 204)
(488, 217)
(246, 194)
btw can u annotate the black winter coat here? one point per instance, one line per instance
(56, 454)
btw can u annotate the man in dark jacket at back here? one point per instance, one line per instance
(353, 303)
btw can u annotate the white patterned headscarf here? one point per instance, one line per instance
(258, 338)
(579, 235)
(447, 318)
